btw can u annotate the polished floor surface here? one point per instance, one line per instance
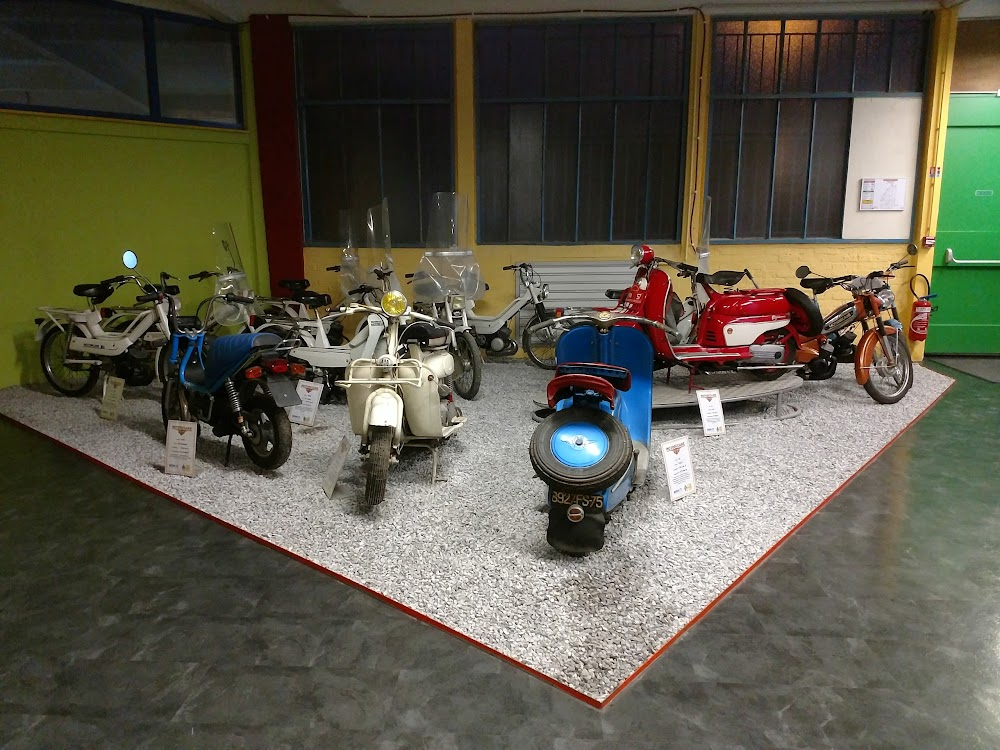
(128, 621)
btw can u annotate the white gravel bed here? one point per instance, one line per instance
(470, 551)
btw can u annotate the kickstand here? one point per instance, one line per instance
(229, 448)
(434, 464)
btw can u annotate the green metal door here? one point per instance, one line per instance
(967, 251)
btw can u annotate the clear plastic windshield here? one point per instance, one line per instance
(449, 266)
(448, 222)
(232, 278)
(351, 276)
(379, 238)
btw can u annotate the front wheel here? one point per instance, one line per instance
(271, 441)
(540, 346)
(468, 366)
(377, 465)
(71, 379)
(888, 384)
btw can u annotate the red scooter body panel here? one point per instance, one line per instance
(754, 306)
(649, 303)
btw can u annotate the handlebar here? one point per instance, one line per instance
(333, 268)
(683, 269)
(202, 275)
(600, 318)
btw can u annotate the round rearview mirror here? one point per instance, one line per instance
(801, 272)
(129, 259)
(911, 249)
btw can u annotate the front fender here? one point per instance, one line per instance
(384, 408)
(866, 348)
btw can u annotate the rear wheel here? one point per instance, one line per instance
(580, 450)
(887, 383)
(71, 379)
(468, 366)
(271, 442)
(540, 346)
(377, 465)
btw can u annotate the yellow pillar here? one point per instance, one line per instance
(935, 129)
(696, 162)
(465, 120)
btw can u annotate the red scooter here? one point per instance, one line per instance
(764, 331)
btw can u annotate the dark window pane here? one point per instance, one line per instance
(598, 47)
(762, 58)
(492, 161)
(561, 128)
(525, 176)
(400, 162)
(724, 163)
(633, 60)
(631, 166)
(909, 44)
(414, 64)
(829, 168)
(791, 168)
(73, 56)
(318, 57)
(836, 56)
(756, 158)
(527, 61)
(358, 64)
(195, 72)
(562, 61)
(436, 159)
(872, 46)
(492, 53)
(596, 146)
(666, 165)
(669, 54)
(798, 58)
(727, 58)
(432, 63)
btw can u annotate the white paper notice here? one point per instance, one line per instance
(114, 391)
(710, 404)
(680, 470)
(335, 467)
(182, 441)
(309, 394)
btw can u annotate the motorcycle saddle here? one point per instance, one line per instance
(294, 285)
(312, 300)
(96, 292)
(423, 333)
(720, 278)
(816, 285)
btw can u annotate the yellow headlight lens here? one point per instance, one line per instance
(393, 303)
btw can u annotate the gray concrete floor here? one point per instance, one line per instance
(128, 621)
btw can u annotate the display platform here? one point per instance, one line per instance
(468, 553)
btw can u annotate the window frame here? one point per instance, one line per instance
(149, 16)
(301, 103)
(685, 22)
(813, 96)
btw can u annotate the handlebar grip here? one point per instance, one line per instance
(114, 280)
(408, 275)
(509, 268)
(151, 297)
(238, 298)
(360, 290)
(333, 268)
(201, 275)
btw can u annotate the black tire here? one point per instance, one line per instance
(272, 441)
(597, 476)
(806, 316)
(163, 363)
(885, 384)
(377, 465)
(468, 366)
(541, 345)
(70, 380)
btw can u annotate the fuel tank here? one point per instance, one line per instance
(739, 318)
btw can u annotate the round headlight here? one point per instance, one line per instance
(636, 256)
(886, 297)
(393, 303)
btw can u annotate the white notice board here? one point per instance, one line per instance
(883, 194)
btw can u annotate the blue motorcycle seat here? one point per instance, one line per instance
(227, 353)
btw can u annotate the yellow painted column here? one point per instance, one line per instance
(696, 162)
(935, 129)
(465, 119)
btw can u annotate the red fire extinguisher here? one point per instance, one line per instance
(920, 316)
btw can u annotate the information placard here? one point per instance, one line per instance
(309, 394)
(335, 467)
(710, 404)
(182, 442)
(114, 392)
(680, 470)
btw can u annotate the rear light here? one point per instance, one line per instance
(277, 366)
(252, 373)
(253, 321)
(298, 369)
(558, 313)
(107, 312)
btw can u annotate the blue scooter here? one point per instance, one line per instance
(594, 447)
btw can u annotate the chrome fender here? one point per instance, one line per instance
(384, 408)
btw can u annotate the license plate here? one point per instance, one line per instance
(283, 391)
(584, 501)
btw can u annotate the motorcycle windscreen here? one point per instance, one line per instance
(379, 238)
(448, 272)
(232, 278)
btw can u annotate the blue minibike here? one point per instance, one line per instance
(594, 446)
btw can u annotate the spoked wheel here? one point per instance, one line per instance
(271, 442)
(888, 384)
(377, 465)
(580, 450)
(468, 366)
(540, 346)
(70, 379)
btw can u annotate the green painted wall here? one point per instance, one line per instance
(78, 191)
